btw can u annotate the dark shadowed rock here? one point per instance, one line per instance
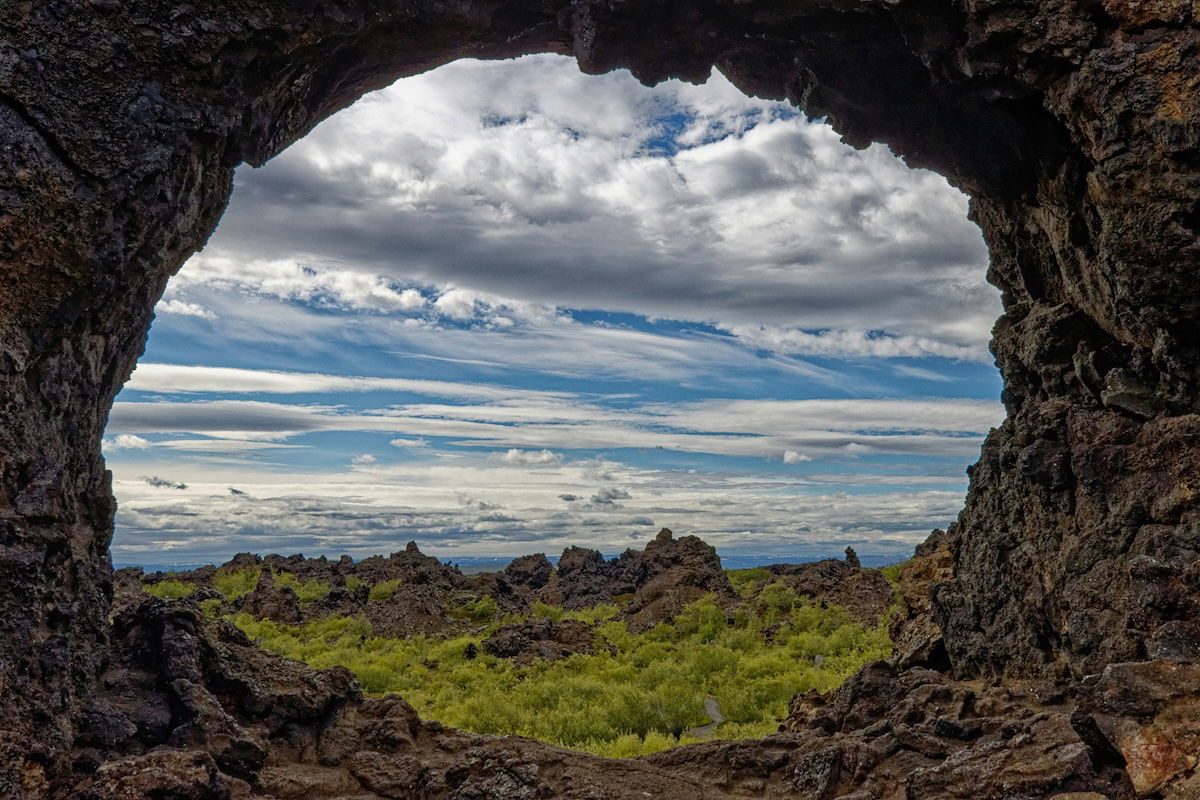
(268, 601)
(540, 640)
(1073, 125)
(671, 573)
(532, 572)
(584, 579)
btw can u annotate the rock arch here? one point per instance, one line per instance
(1073, 124)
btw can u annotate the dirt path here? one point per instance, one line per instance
(713, 709)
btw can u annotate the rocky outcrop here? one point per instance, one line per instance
(187, 707)
(919, 734)
(865, 593)
(1073, 125)
(541, 640)
(584, 579)
(529, 572)
(410, 593)
(916, 638)
(669, 574)
(269, 601)
(1147, 715)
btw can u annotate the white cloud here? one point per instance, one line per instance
(176, 378)
(457, 304)
(527, 458)
(361, 513)
(126, 441)
(792, 457)
(184, 309)
(364, 460)
(413, 443)
(851, 343)
(763, 223)
(761, 428)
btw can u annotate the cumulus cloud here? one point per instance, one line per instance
(749, 216)
(527, 458)
(364, 460)
(792, 457)
(184, 309)
(126, 441)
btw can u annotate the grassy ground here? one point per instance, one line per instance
(633, 696)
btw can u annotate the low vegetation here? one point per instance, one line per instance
(308, 590)
(383, 591)
(170, 589)
(233, 583)
(637, 693)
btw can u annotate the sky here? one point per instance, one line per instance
(504, 307)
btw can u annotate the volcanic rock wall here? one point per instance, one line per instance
(1073, 124)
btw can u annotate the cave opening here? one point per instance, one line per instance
(504, 307)
(1072, 126)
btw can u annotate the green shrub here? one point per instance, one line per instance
(170, 589)
(353, 582)
(636, 694)
(210, 607)
(745, 581)
(482, 609)
(382, 592)
(545, 611)
(308, 590)
(892, 572)
(234, 583)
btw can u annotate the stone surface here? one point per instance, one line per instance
(669, 574)
(916, 637)
(540, 640)
(1073, 124)
(865, 593)
(1149, 713)
(426, 596)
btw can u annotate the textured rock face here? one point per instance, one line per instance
(187, 707)
(865, 593)
(669, 574)
(541, 640)
(1074, 125)
(424, 596)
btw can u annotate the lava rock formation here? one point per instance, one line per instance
(1074, 125)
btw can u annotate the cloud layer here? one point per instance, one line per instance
(505, 307)
(692, 203)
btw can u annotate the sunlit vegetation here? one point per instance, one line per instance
(745, 581)
(212, 606)
(484, 609)
(636, 694)
(598, 613)
(383, 591)
(892, 572)
(309, 590)
(170, 589)
(233, 583)
(353, 582)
